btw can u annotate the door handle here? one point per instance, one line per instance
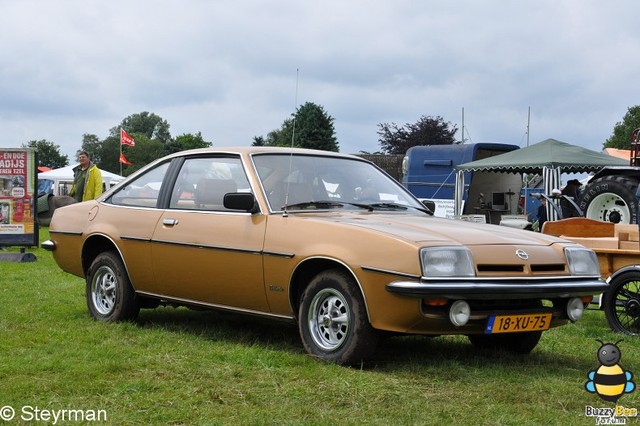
(169, 222)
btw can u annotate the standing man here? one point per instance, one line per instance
(571, 190)
(542, 213)
(87, 179)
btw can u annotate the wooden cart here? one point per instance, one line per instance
(618, 249)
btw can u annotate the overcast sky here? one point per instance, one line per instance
(228, 69)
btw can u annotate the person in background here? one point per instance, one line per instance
(87, 179)
(542, 213)
(572, 190)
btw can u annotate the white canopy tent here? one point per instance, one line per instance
(63, 179)
(550, 157)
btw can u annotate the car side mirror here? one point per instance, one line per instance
(240, 201)
(430, 205)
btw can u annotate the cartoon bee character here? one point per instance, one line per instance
(609, 381)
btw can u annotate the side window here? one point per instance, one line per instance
(203, 182)
(143, 191)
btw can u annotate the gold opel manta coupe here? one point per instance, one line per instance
(324, 239)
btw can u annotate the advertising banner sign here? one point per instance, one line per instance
(18, 193)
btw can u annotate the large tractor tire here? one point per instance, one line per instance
(610, 199)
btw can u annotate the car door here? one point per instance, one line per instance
(204, 252)
(132, 215)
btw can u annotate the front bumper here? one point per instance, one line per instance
(497, 288)
(48, 245)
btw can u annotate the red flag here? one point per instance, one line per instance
(125, 139)
(124, 160)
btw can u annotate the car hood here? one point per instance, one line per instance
(426, 229)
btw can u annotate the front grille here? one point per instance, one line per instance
(533, 269)
(553, 267)
(500, 268)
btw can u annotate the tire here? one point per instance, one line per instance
(333, 322)
(610, 199)
(110, 296)
(621, 303)
(521, 343)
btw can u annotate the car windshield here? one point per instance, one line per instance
(303, 182)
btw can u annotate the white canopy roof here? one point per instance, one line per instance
(66, 174)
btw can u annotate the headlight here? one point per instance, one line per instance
(582, 261)
(447, 262)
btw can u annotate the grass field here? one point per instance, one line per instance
(177, 366)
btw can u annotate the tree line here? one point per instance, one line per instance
(152, 141)
(309, 127)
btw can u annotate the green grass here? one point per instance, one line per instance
(178, 366)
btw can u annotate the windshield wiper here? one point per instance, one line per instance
(325, 205)
(396, 206)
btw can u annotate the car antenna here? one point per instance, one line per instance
(293, 135)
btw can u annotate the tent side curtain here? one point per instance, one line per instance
(458, 193)
(551, 178)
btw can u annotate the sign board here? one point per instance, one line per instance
(444, 207)
(18, 183)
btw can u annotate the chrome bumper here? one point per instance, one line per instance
(492, 288)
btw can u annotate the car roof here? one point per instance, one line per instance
(251, 150)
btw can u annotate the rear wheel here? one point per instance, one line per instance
(333, 321)
(610, 199)
(521, 343)
(621, 303)
(110, 296)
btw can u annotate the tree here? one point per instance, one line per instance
(426, 131)
(186, 141)
(144, 152)
(110, 154)
(144, 123)
(48, 153)
(311, 127)
(314, 128)
(92, 145)
(278, 137)
(621, 137)
(145, 128)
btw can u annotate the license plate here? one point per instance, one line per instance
(518, 323)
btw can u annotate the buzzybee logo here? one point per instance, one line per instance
(609, 381)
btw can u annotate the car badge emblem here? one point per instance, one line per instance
(522, 254)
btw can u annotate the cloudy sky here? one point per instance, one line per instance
(228, 69)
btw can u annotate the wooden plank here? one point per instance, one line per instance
(579, 227)
(611, 243)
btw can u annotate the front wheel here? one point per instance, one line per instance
(333, 321)
(621, 303)
(110, 296)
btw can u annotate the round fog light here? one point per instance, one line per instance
(575, 308)
(459, 313)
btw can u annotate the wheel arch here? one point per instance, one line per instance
(309, 268)
(93, 246)
(624, 270)
(629, 171)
